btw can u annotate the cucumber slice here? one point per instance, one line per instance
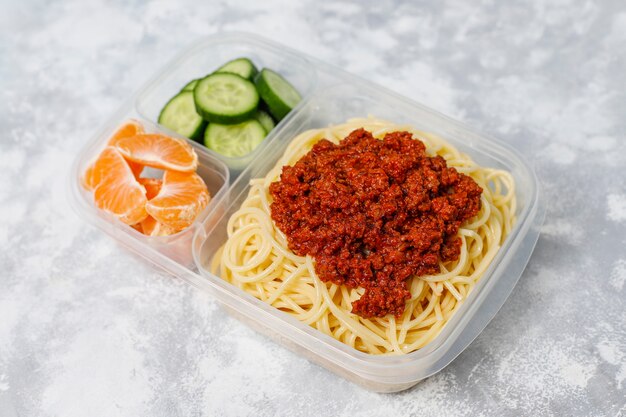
(240, 66)
(265, 119)
(225, 98)
(279, 95)
(179, 115)
(190, 85)
(234, 140)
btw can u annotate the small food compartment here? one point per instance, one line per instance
(228, 94)
(333, 106)
(104, 156)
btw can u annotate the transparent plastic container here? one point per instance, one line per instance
(330, 96)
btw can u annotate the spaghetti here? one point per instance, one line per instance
(256, 257)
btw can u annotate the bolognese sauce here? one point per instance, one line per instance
(373, 213)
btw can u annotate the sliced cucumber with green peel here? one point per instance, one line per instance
(225, 98)
(281, 97)
(234, 140)
(240, 66)
(190, 85)
(265, 119)
(179, 115)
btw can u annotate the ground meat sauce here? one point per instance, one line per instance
(373, 213)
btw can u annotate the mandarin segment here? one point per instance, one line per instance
(151, 227)
(152, 185)
(128, 129)
(159, 151)
(98, 171)
(161, 229)
(147, 225)
(88, 180)
(136, 168)
(118, 192)
(181, 199)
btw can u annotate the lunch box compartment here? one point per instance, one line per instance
(335, 105)
(330, 96)
(209, 55)
(176, 247)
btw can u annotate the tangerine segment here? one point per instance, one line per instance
(162, 230)
(147, 225)
(128, 129)
(152, 185)
(88, 179)
(159, 151)
(118, 191)
(151, 227)
(181, 199)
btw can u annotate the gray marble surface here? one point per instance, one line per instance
(88, 329)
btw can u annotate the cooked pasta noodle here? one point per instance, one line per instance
(256, 257)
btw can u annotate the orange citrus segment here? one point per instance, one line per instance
(181, 199)
(159, 151)
(147, 225)
(135, 167)
(151, 227)
(118, 191)
(162, 230)
(128, 129)
(138, 227)
(152, 185)
(88, 179)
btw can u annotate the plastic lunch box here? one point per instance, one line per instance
(330, 96)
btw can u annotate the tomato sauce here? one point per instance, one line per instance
(373, 213)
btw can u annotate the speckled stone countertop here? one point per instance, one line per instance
(88, 329)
